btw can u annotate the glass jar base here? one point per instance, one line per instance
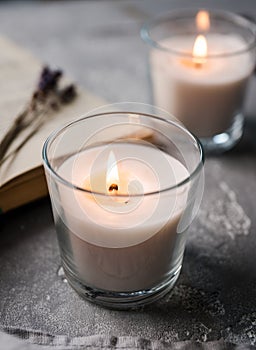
(122, 300)
(226, 140)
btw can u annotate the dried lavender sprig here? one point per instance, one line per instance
(52, 105)
(47, 97)
(15, 129)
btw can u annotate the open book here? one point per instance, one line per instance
(22, 176)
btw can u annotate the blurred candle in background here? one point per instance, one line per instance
(200, 64)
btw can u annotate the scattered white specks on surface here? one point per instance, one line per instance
(224, 216)
(193, 299)
(242, 331)
(61, 274)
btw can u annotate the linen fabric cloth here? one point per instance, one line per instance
(59, 342)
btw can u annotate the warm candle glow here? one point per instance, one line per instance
(112, 176)
(203, 21)
(200, 50)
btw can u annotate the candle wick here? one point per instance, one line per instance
(198, 65)
(113, 187)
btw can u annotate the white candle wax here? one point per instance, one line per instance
(205, 97)
(123, 243)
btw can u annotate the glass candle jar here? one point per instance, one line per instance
(200, 64)
(124, 188)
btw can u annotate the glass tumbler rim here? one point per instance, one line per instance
(69, 184)
(237, 19)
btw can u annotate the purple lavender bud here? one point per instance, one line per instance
(68, 94)
(48, 79)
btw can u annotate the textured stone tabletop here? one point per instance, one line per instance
(98, 44)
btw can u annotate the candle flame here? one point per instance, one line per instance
(203, 21)
(200, 50)
(112, 176)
